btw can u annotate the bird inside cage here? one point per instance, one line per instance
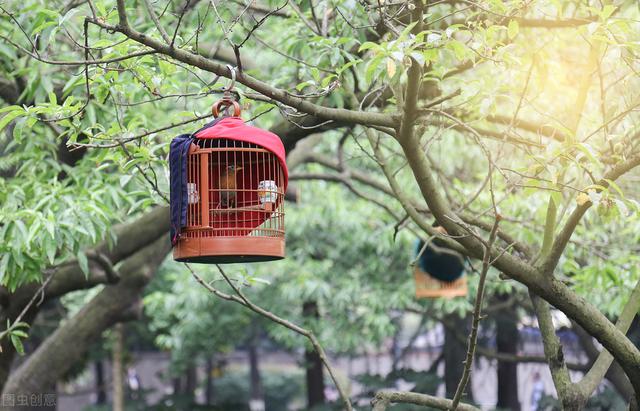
(227, 185)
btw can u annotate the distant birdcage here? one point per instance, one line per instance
(236, 177)
(438, 272)
(429, 287)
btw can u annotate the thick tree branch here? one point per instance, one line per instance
(555, 356)
(53, 358)
(563, 237)
(282, 96)
(615, 374)
(599, 369)
(385, 398)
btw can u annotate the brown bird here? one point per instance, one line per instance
(227, 185)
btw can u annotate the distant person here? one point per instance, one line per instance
(133, 381)
(537, 391)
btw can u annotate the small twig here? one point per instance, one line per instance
(260, 22)
(175, 33)
(473, 338)
(38, 294)
(240, 298)
(154, 18)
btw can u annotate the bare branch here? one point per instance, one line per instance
(385, 398)
(301, 104)
(477, 312)
(240, 298)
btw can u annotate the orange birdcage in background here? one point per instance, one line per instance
(236, 177)
(438, 270)
(429, 287)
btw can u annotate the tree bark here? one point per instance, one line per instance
(70, 277)
(190, 383)
(101, 392)
(313, 363)
(615, 374)
(257, 395)
(115, 303)
(507, 342)
(209, 390)
(118, 367)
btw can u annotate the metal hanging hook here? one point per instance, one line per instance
(228, 102)
(232, 70)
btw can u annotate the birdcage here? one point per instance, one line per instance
(438, 272)
(429, 287)
(236, 178)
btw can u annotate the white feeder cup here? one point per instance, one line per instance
(267, 194)
(192, 194)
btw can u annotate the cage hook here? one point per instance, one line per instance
(228, 99)
(232, 70)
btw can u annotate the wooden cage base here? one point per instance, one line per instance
(429, 287)
(225, 250)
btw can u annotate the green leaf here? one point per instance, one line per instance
(347, 65)
(607, 11)
(10, 116)
(124, 179)
(367, 46)
(615, 186)
(50, 250)
(83, 263)
(4, 263)
(372, 68)
(513, 29)
(459, 49)
(17, 343)
(20, 333)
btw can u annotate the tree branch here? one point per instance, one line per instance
(385, 398)
(477, 312)
(53, 358)
(597, 372)
(299, 103)
(240, 298)
(563, 237)
(553, 351)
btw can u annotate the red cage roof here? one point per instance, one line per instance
(234, 128)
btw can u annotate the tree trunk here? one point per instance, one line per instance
(191, 381)
(118, 368)
(70, 277)
(101, 392)
(256, 402)
(454, 356)
(209, 390)
(507, 342)
(313, 364)
(115, 303)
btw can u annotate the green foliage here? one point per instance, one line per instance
(16, 332)
(188, 321)
(343, 252)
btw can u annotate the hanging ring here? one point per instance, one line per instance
(228, 101)
(224, 104)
